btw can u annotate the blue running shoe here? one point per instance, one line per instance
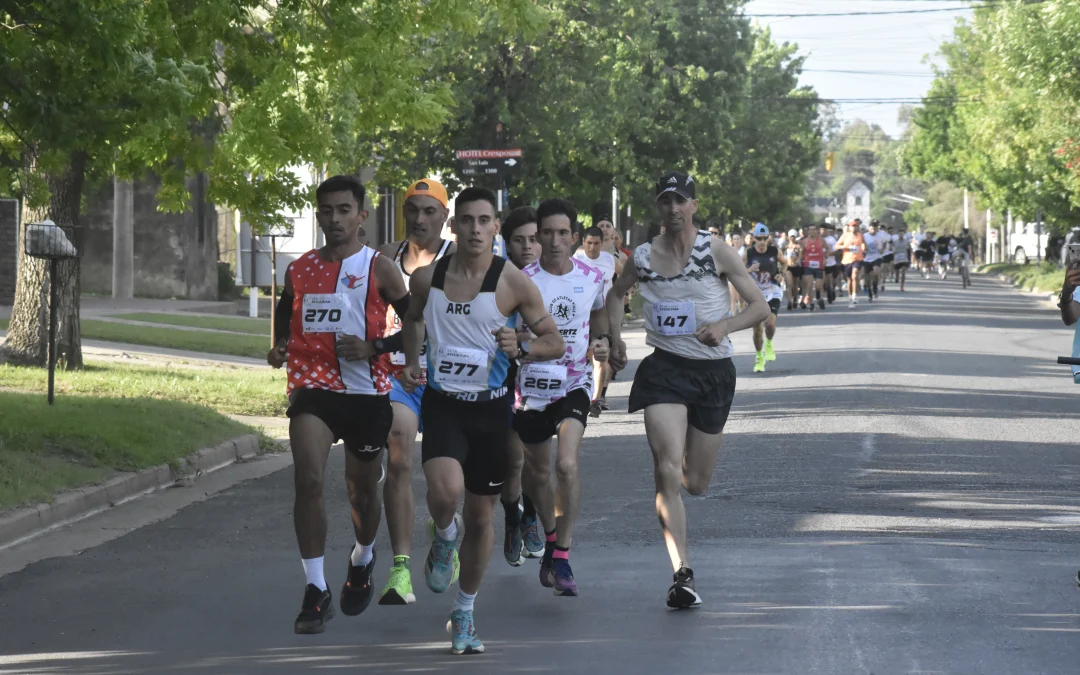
(564, 578)
(442, 566)
(462, 631)
(532, 534)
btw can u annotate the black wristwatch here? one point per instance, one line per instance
(523, 349)
(604, 335)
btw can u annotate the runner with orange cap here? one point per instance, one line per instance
(425, 213)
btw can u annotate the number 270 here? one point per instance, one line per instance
(322, 314)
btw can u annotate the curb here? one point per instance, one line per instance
(75, 505)
(1041, 294)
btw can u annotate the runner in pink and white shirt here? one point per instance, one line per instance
(553, 396)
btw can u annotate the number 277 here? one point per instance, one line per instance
(451, 368)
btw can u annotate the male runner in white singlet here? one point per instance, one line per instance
(467, 305)
(686, 385)
(553, 397)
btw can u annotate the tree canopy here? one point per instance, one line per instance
(1003, 115)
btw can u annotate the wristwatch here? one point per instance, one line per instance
(604, 335)
(523, 349)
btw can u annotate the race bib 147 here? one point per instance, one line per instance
(673, 318)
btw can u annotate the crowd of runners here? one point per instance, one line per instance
(492, 359)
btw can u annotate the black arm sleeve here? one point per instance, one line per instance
(283, 317)
(388, 345)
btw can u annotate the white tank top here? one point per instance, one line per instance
(676, 306)
(462, 357)
(605, 263)
(393, 321)
(570, 299)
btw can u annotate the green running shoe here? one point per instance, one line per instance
(398, 589)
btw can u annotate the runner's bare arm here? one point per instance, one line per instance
(756, 310)
(600, 325)
(548, 344)
(613, 301)
(412, 326)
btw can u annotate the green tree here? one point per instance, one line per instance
(243, 90)
(1000, 116)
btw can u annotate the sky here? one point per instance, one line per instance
(886, 53)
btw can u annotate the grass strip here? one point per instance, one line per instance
(83, 440)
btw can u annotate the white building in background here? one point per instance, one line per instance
(857, 194)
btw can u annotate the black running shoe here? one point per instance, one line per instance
(821, 303)
(802, 305)
(595, 409)
(790, 305)
(358, 590)
(682, 594)
(317, 610)
(1078, 578)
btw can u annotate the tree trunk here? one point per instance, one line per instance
(28, 335)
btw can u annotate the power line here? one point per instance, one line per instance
(925, 10)
(878, 73)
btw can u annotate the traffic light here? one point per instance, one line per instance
(829, 162)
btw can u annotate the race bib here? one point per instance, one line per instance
(674, 318)
(325, 312)
(853, 249)
(462, 367)
(398, 358)
(543, 380)
(813, 264)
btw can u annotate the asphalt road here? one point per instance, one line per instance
(898, 493)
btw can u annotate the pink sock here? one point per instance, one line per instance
(561, 555)
(550, 538)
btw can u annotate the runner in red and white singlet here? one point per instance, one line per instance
(330, 318)
(814, 253)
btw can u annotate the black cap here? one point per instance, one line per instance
(678, 182)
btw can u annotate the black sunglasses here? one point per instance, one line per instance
(766, 238)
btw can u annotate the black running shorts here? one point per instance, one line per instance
(362, 421)
(796, 271)
(475, 434)
(851, 267)
(887, 258)
(774, 305)
(901, 265)
(537, 426)
(706, 388)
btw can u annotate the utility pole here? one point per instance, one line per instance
(966, 219)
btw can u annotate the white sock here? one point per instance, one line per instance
(464, 601)
(362, 554)
(313, 570)
(450, 533)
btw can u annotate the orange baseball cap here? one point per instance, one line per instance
(429, 188)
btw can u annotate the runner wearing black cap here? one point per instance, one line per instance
(687, 384)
